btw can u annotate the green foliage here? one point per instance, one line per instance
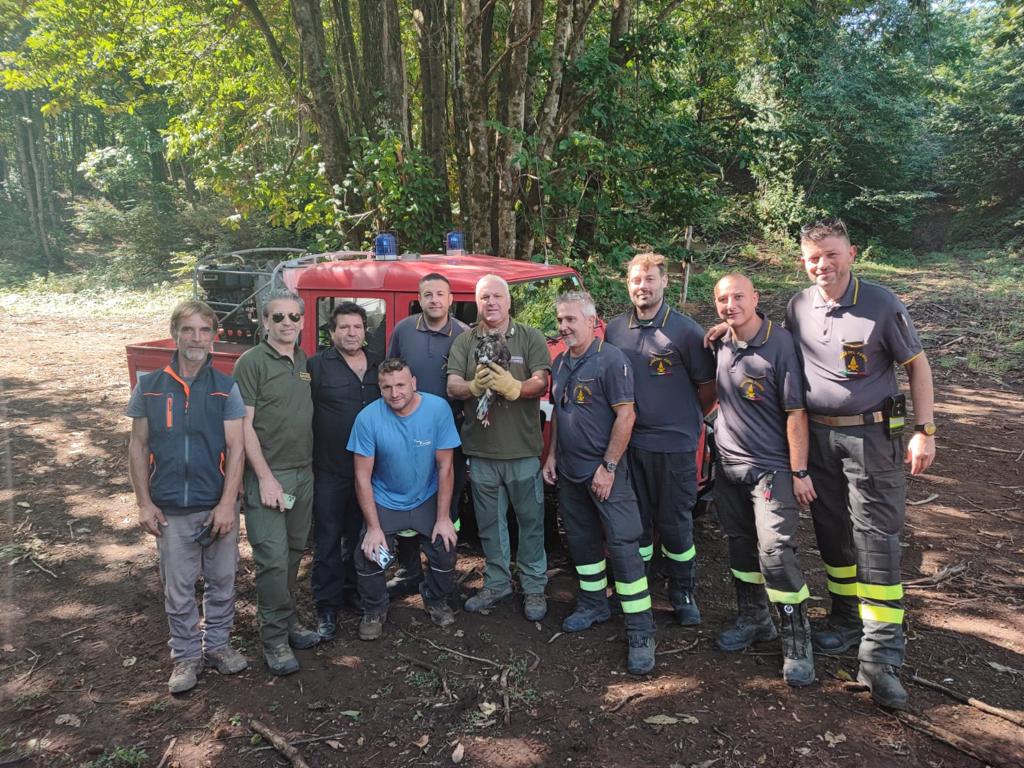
(120, 757)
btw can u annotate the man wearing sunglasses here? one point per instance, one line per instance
(592, 392)
(278, 431)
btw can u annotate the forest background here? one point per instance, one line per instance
(137, 136)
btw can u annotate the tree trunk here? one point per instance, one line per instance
(478, 192)
(309, 24)
(509, 171)
(30, 177)
(348, 64)
(429, 17)
(586, 223)
(384, 93)
(460, 120)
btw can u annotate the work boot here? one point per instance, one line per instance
(327, 624)
(438, 610)
(753, 620)
(486, 598)
(586, 614)
(884, 682)
(843, 629)
(185, 675)
(797, 656)
(640, 660)
(301, 638)
(535, 606)
(280, 659)
(226, 660)
(680, 597)
(372, 627)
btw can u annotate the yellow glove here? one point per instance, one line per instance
(504, 383)
(481, 381)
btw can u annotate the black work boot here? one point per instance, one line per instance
(680, 596)
(641, 653)
(884, 682)
(843, 629)
(753, 620)
(797, 656)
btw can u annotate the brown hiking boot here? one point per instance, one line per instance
(226, 660)
(184, 675)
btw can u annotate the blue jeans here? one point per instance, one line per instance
(337, 523)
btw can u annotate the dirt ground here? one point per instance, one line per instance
(84, 663)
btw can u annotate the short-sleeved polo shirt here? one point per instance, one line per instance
(426, 351)
(404, 449)
(278, 388)
(759, 381)
(515, 431)
(849, 347)
(584, 392)
(669, 362)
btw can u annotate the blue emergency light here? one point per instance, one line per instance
(385, 247)
(455, 243)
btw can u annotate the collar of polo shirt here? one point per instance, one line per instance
(848, 299)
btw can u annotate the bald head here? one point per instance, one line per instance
(736, 303)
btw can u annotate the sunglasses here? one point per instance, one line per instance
(278, 317)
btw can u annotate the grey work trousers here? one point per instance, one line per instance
(182, 563)
(858, 516)
(759, 515)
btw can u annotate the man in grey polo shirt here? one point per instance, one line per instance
(675, 383)
(761, 433)
(424, 341)
(851, 333)
(592, 395)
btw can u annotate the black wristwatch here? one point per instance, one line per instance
(801, 473)
(611, 466)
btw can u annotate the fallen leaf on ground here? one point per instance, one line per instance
(355, 714)
(487, 708)
(834, 738)
(334, 744)
(73, 720)
(1003, 668)
(129, 662)
(688, 719)
(458, 753)
(842, 674)
(660, 720)
(422, 741)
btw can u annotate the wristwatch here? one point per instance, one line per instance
(801, 473)
(610, 465)
(928, 428)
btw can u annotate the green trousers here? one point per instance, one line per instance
(278, 540)
(495, 485)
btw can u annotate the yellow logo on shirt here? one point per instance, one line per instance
(660, 364)
(854, 360)
(305, 376)
(751, 389)
(582, 395)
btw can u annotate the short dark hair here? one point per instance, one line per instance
(818, 230)
(392, 365)
(347, 308)
(434, 276)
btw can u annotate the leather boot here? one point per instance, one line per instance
(843, 629)
(797, 656)
(641, 653)
(680, 596)
(753, 620)
(884, 682)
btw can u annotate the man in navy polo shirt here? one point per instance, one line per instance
(761, 433)
(424, 340)
(675, 383)
(592, 394)
(403, 459)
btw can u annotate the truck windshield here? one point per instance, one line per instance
(533, 302)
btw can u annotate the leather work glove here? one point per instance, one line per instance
(504, 383)
(481, 381)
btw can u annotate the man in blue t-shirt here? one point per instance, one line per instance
(402, 445)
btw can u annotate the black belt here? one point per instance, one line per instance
(875, 417)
